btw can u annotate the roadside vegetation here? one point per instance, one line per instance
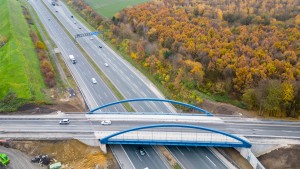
(21, 80)
(245, 53)
(40, 48)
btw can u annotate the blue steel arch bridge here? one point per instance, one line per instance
(170, 134)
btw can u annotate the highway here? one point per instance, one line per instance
(82, 124)
(191, 153)
(119, 71)
(83, 127)
(82, 71)
(130, 82)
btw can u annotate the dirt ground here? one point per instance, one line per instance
(71, 153)
(224, 108)
(60, 101)
(285, 157)
(228, 109)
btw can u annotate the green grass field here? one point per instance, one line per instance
(19, 65)
(109, 8)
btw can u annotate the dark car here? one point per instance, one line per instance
(142, 151)
(100, 46)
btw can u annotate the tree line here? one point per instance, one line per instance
(45, 64)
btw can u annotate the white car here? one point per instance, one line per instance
(106, 122)
(64, 121)
(91, 38)
(106, 64)
(94, 80)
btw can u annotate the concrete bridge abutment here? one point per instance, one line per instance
(103, 148)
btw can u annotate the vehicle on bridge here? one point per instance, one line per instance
(106, 122)
(64, 121)
(4, 160)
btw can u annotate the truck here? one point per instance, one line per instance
(4, 160)
(72, 58)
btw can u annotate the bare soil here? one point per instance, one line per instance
(224, 108)
(73, 154)
(60, 101)
(228, 109)
(285, 157)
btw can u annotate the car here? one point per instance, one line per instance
(106, 122)
(94, 80)
(141, 151)
(64, 121)
(91, 38)
(106, 64)
(56, 11)
(79, 27)
(71, 16)
(74, 22)
(100, 46)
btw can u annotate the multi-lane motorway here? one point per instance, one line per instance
(95, 94)
(84, 126)
(128, 81)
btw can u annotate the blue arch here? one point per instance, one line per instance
(243, 143)
(153, 99)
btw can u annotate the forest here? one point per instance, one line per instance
(246, 50)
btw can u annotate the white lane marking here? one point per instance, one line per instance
(211, 161)
(188, 148)
(147, 153)
(127, 156)
(138, 155)
(179, 151)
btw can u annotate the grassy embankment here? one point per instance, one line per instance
(109, 8)
(19, 64)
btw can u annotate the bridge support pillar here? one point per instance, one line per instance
(103, 148)
(250, 157)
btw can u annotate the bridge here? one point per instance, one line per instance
(202, 136)
(149, 128)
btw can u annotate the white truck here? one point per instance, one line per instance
(72, 58)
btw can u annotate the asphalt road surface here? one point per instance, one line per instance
(129, 82)
(80, 124)
(95, 94)
(191, 153)
(18, 160)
